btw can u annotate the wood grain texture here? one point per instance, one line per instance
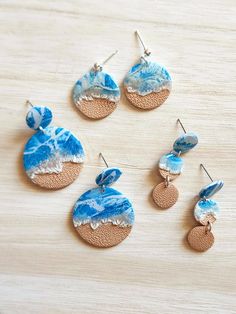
(44, 266)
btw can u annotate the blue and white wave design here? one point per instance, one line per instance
(171, 163)
(46, 151)
(146, 77)
(185, 142)
(211, 189)
(98, 206)
(205, 208)
(96, 84)
(38, 116)
(108, 176)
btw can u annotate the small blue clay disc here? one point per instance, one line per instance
(206, 211)
(185, 142)
(211, 189)
(38, 117)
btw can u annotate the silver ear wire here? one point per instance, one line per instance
(203, 167)
(101, 155)
(181, 124)
(98, 67)
(146, 50)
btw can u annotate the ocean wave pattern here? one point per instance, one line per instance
(146, 77)
(171, 163)
(46, 150)
(204, 208)
(98, 206)
(96, 85)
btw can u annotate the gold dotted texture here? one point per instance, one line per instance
(147, 102)
(97, 108)
(106, 235)
(165, 196)
(55, 181)
(200, 239)
(165, 173)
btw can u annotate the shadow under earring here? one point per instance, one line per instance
(96, 94)
(165, 194)
(103, 216)
(148, 84)
(53, 156)
(206, 212)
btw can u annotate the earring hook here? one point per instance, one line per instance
(29, 103)
(201, 165)
(98, 67)
(101, 155)
(181, 124)
(146, 51)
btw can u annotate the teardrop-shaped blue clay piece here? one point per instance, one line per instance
(108, 176)
(210, 189)
(185, 142)
(206, 210)
(38, 117)
(171, 163)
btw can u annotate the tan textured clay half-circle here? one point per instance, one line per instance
(106, 235)
(148, 102)
(200, 239)
(55, 181)
(165, 173)
(97, 108)
(165, 196)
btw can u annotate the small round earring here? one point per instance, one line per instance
(165, 194)
(96, 94)
(147, 84)
(206, 212)
(53, 156)
(103, 216)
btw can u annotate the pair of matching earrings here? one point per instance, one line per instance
(147, 85)
(165, 194)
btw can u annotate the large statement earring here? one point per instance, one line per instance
(206, 212)
(96, 94)
(165, 194)
(147, 84)
(53, 156)
(103, 216)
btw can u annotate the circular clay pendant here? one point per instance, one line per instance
(102, 216)
(53, 157)
(200, 239)
(96, 94)
(147, 85)
(165, 196)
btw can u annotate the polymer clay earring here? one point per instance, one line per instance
(206, 212)
(53, 156)
(103, 216)
(147, 84)
(96, 94)
(165, 194)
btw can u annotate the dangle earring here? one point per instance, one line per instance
(165, 194)
(103, 216)
(53, 156)
(96, 94)
(147, 84)
(206, 212)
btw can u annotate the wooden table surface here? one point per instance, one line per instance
(45, 47)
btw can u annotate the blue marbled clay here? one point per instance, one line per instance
(104, 204)
(206, 210)
(96, 84)
(46, 150)
(171, 163)
(211, 189)
(185, 142)
(146, 77)
(38, 116)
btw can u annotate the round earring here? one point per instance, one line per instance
(103, 216)
(147, 84)
(53, 156)
(165, 194)
(206, 212)
(96, 94)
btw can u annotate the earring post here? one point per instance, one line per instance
(201, 165)
(181, 124)
(29, 103)
(101, 155)
(111, 56)
(146, 51)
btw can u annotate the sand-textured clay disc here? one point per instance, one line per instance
(96, 94)
(165, 196)
(103, 216)
(53, 158)
(200, 239)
